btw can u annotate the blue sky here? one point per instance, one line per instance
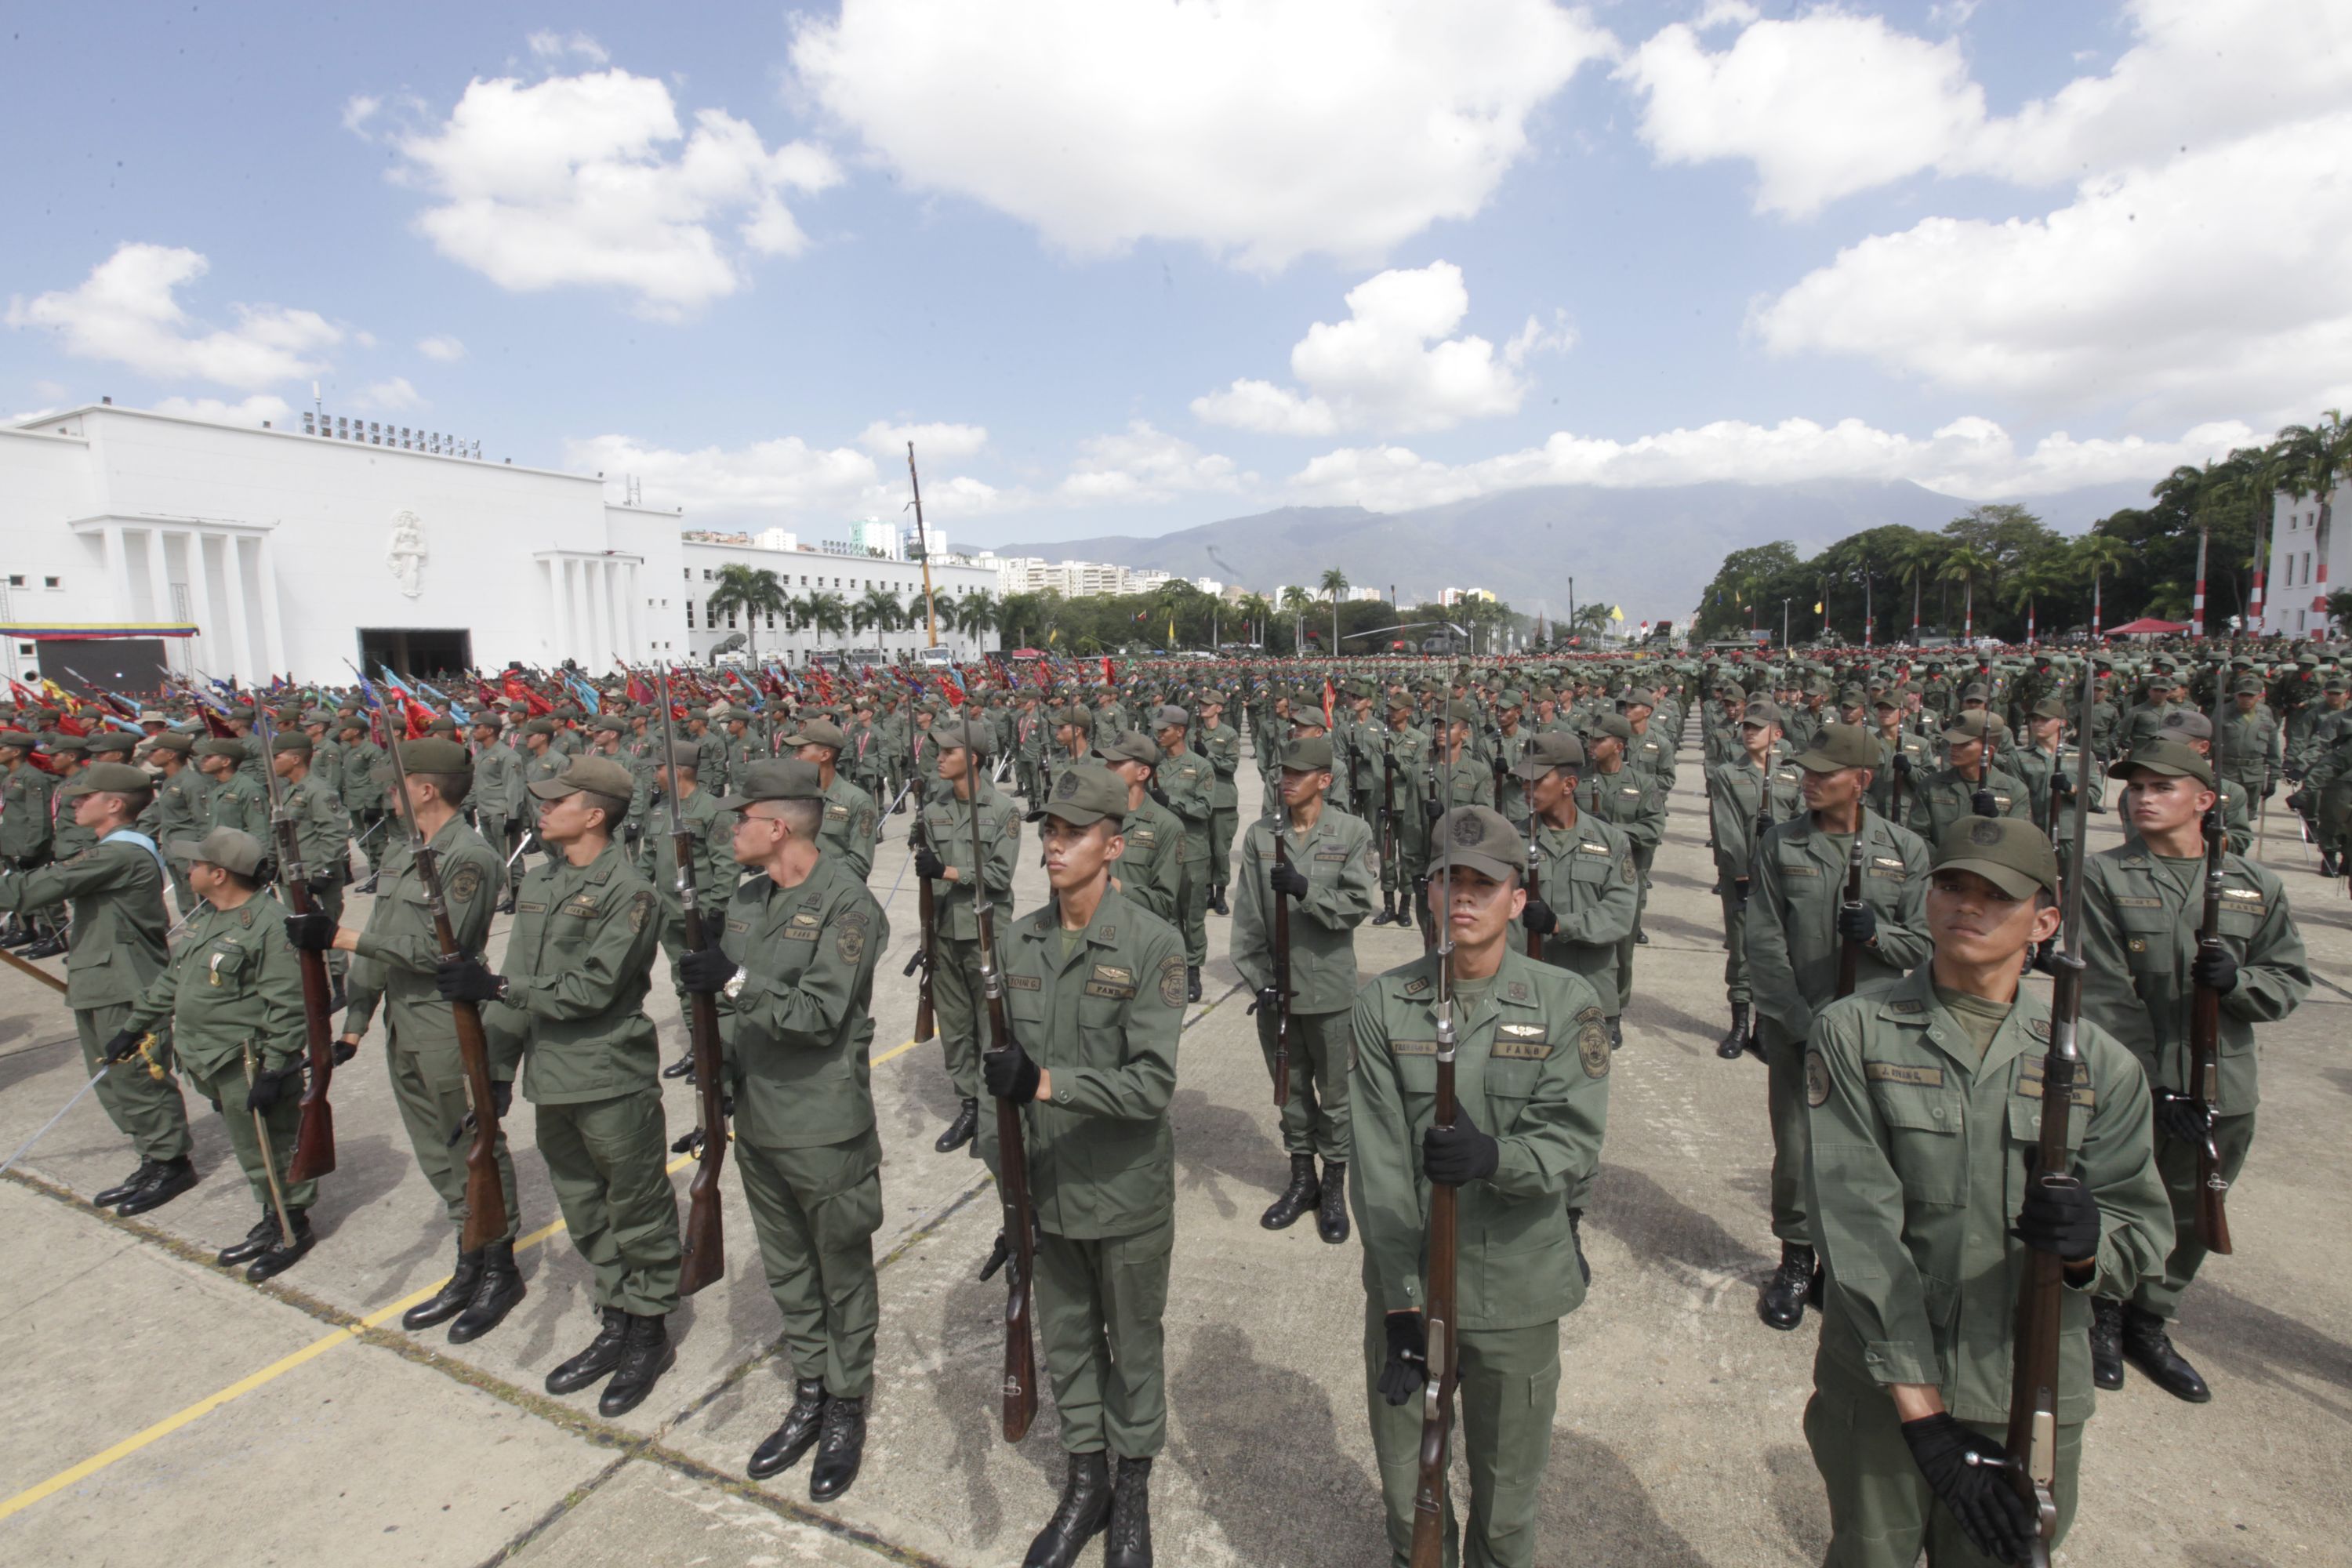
(1082, 247)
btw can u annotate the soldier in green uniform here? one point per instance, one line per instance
(392, 962)
(1630, 802)
(1532, 1102)
(1094, 990)
(572, 1006)
(2046, 767)
(1761, 787)
(2143, 908)
(115, 887)
(1151, 867)
(711, 859)
(497, 781)
(1188, 786)
(27, 832)
(794, 958)
(945, 859)
(1796, 925)
(1328, 878)
(850, 813)
(1223, 747)
(230, 1002)
(1923, 1104)
(181, 807)
(238, 799)
(1968, 783)
(2189, 728)
(1582, 883)
(363, 792)
(324, 833)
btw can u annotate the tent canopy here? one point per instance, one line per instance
(2146, 626)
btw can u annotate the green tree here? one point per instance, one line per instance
(1968, 566)
(1295, 599)
(1257, 610)
(976, 614)
(754, 592)
(1335, 582)
(2098, 557)
(876, 610)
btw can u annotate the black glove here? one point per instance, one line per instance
(123, 1045)
(927, 864)
(321, 886)
(1983, 804)
(1432, 810)
(1903, 764)
(1980, 1495)
(1857, 922)
(1010, 1074)
(1161, 795)
(1407, 1367)
(705, 972)
(2269, 789)
(2299, 802)
(2182, 1117)
(1289, 881)
(462, 979)
(2064, 787)
(1267, 999)
(313, 932)
(2214, 968)
(2059, 1217)
(1739, 886)
(269, 1086)
(503, 1095)
(345, 1050)
(1458, 1156)
(1538, 917)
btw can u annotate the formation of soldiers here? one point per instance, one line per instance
(1891, 841)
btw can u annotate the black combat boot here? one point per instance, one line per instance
(682, 1068)
(1781, 1302)
(18, 933)
(1302, 1194)
(1217, 903)
(495, 1295)
(603, 1354)
(1641, 937)
(644, 1358)
(2148, 1347)
(838, 1451)
(2327, 869)
(1331, 1213)
(107, 1197)
(165, 1180)
(1387, 912)
(46, 947)
(1191, 983)
(783, 1449)
(1733, 1043)
(279, 1257)
(1084, 1510)
(258, 1240)
(960, 1131)
(1616, 1034)
(451, 1299)
(1130, 1545)
(2106, 1342)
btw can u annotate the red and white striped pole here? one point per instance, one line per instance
(2197, 602)
(2262, 557)
(2029, 623)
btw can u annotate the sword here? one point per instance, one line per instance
(269, 1163)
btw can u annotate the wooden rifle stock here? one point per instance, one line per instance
(928, 911)
(2204, 1052)
(1849, 949)
(314, 1138)
(1020, 1385)
(1440, 1291)
(1281, 968)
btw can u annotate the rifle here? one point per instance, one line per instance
(1281, 967)
(2205, 1021)
(1012, 1165)
(1429, 836)
(1445, 1239)
(486, 1200)
(926, 952)
(1535, 885)
(1392, 835)
(1849, 949)
(2032, 1440)
(704, 1260)
(314, 1142)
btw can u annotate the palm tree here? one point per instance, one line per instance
(2102, 557)
(878, 610)
(2312, 461)
(755, 592)
(824, 613)
(2042, 577)
(1964, 566)
(975, 614)
(1923, 557)
(1257, 609)
(1295, 599)
(917, 613)
(1335, 582)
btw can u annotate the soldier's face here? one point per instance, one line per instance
(2164, 803)
(1760, 737)
(1546, 792)
(2246, 700)
(1964, 753)
(1300, 785)
(566, 820)
(1075, 857)
(954, 762)
(1976, 923)
(1834, 791)
(1480, 909)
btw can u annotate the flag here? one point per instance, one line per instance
(1617, 613)
(534, 705)
(1817, 606)
(1329, 695)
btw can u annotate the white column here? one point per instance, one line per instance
(273, 627)
(633, 622)
(210, 642)
(240, 626)
(599, 607)
(159, 577)
(118, 572)
(548, 616)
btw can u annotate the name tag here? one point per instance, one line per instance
(2029, 1083)
(2129, 903)
(583, 905)
(1801, 870)
(1338, 854)
(1022, 982)
(525, 907)
(1600, 849)
(1413, 1048)
(1900, 1072)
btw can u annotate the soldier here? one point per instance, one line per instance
(1094, 991)
(2047, 771)
(1968, 783)
(1508, 740)
(1762, 787)
(2194, 729)
(2250, 750)
(1913, 1210)
(497, 781)
(1187, 782)
(324, 833)
(363, 792)
(1627, 800)
(2142, 911)
(573, 1006)
(181, 810)
(850, 813)
(1329, 881)
(945, 859)
(1222, 747)
(238, 799)
(1532, 1101)
(711, 857)
(1151, 867)
(116, 946)
(26, 831)
(804, 935)
(1797, 923)
(230, 1000)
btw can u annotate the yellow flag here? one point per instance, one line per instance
(1054, 636)
(1616, 613)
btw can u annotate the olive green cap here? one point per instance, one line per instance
(1641, 696)
(1478, 838)
(442, 726)
(291, 741)
(1758, 714)
(1552, 749)
(110, 741)
(1309, 716)
(1839, 747)
(1085, 793)
(220, 746)
(972, 738)
(117, 777)
(230, 849)
(2007, 851)
(1462, 713)
(431, 754)
(2050, 708)
(1129, 746)
(169, 741)
(818, 733)
(609, 725)
(784, 778)
(1972, 726)
(682, 756)
(592, 774)
(539, 726)
(2187, 723)
(2174, 757)
(1169, 716)
(1308, 755)
(1615, 725)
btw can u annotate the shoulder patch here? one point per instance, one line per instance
(1592, 1045)
(849, 940)
(641, 908)
(1171, 980)
(464, 883)
(1817, 1079)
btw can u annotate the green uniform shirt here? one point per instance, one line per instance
(1150, 869)
(1222, 747)
(798, 1016)
(1736, 799)
(576, 966)
(1342, 891)
(243, 801)
(1798, 881)
(947, 827)
(182, 807)
(497, 781)
(362, 791)
(235, 981)
(1628, 801)
(1946, 797)
(321, 827)
(846, 832)
(713, 858)
(1189, 783)
(116, 946)
(391, 966)
(1586, 874)
(24, 828)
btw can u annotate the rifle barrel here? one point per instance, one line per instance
(314, 1140)
(1020, 1384)
(704, 1258)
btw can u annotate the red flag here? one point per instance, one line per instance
(639, 692)
(43, 761)
(1328, 696)
(533, 703)
(1108, 678)
(420, 718)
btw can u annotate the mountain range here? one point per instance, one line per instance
(1649, 552)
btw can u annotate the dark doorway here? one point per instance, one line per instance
(431, 652)
(133, 667)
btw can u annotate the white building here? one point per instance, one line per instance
(1456, 595)
(2302, 568)
(292, 553)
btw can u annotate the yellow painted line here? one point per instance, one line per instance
(894, 1052)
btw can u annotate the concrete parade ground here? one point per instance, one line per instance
(157, 1408)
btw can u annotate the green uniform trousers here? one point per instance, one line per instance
(145, 1108)
(330, 903)
(1509, 1387)
(224, 1085)
(956, 1001)
(1644, 856)
(1222, 824)
(1734, 936)
(1099, 1308)
(1322, 1054)
(2176, 1162)
(493, 826)
(1882, 1513)
(1784, 1093)
(607, 1160)
(816, 1210)
(430, 1089)
(1193, 916)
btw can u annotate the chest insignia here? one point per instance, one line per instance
(1517, 990)
(581, 904)
(2029, 1083)
(1416, 987)
(1904, 1072)
(1023, 982)
(1906, 1004)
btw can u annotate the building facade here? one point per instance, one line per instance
(2303, 565)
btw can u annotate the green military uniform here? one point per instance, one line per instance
(241, 801)
(182, 809)
(497, 792)
(1150, 869)
(1404, 759)
(2250, 743)
(323, 831)
(364, 790)
(1946, 795)
(26, 832)
(1739, 794)
(847, 829)
(956, 998)
(1585, 875)
(710, 858)
(1188, 784)
(1630, 803)
(1222, 747)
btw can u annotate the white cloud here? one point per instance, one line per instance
(1261, 131)
(933, 442)
(358, 110)
(1143, 464)
(1390, 366)
(393, 396)
(441, 346)
(253, 411)
(592, 180)
(553, 46)
(127, 310)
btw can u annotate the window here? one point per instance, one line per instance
(53, 583)
(15, 579)
(689, 615)
(690, 574)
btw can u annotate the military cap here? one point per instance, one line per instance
(817, 733)
(2172, 757)
(685, 755)
(1310, 716)
(110, 741)
(539, 726)
(1076, 713)
(1552, 749)
(218, 746)
(1085, 793)
(1478, 838)
(1130, 746)
(609, 725)
(292, 740)
(592, 774)
(1169, 716)
(1312, 754)
(974, 738)
(732, 713)
(1972, 726)
(1758, 714)
(782, 778)
(1839, 747)
(117, 777)
(486, 719)
(1641, 696)
(243, 711)
(2336, 683)
(2007, 851)
(1613, 724)
(350, 723)
(1460, 712)
(17, 739)
(1511, 697)
(2247, 686)
(442, 726)
(2188, 724)
(1400, 700)
(169, 741)
(2050, 708)
(1974, 691)
(429, 754)
(230, 849)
